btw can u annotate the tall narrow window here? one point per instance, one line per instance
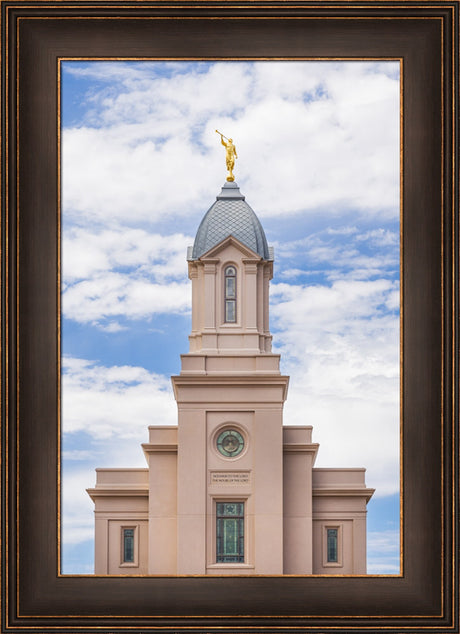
(332, 545)
(128, 545)
(230, 532)
(230, 294)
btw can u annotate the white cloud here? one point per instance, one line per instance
(114, 294)
(77, 508)
(293, 273)
(383, 552)
(340, 346)
(298, 127)
(340, 306)
(342, 253)
(78, 455)
(111, 326)
(114, 402)
(380, 237)
(121, 272)
(89, 251)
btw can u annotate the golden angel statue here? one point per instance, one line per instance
(230, 155)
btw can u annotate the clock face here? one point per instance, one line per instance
(230, 443)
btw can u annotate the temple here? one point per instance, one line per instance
(230, 490)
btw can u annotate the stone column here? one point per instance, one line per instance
(250, 295)
(193, 275)
(209, 299)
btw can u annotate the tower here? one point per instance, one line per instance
(230, 390)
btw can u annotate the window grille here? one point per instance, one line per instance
(128, 545)
(230, 532)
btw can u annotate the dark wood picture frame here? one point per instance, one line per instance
(35, 35)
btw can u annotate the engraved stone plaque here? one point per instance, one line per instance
(229, 477)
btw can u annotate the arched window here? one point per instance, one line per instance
(230, 294)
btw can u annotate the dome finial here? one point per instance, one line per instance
(230, 155)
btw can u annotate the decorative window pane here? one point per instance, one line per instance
(230, 294)
(230, 310)
(128, 545)
(332, 545)
(230, 443)
(230, 287)
(230, 532)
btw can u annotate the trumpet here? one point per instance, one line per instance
(223, 135)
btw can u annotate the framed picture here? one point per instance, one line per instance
(424, 41)
(310, 153)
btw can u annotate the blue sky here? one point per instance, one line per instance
(318, 148)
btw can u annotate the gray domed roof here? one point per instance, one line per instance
(230, 215)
